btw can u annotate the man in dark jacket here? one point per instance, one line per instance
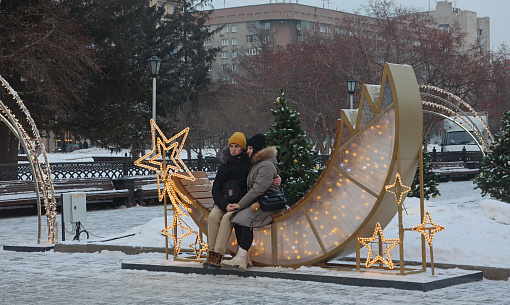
(229, 186)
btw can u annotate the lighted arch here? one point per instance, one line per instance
(444, 108)
(41, 172)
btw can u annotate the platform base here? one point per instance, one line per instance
(38, 248)
(422, 282)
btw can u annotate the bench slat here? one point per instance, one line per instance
(20, 192)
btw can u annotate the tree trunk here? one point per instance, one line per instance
(8, 151)
(8, 145)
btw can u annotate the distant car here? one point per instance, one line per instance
(72, 147)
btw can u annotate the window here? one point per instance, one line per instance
(250, 25)
(234, 67)
(340, 31)
(267, 39)
(328, 29)
(252, 51)
(210, 68)
(251, 38)
(444, 27)
(298, 26)
(266, 25)
(234, 41)
(225, 29)
(234, 81)
(225, 54)
(315, 28)
(323, 29)
(225, 67)
(234, 28)
(208, 42)
(234, 54)
(224, 42)
(480, 31)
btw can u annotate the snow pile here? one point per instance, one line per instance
(497, 210)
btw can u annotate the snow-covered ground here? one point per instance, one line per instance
(477, 233)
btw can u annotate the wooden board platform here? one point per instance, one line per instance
(420, 282)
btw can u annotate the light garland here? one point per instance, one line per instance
(433, 229)
(166, 186)
(42, 174)
(398, 189)
(389, 244)
(460, 101)
(165, 171)
(199, 247)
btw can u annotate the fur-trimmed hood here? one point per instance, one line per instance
(226, 157)
(268, 153)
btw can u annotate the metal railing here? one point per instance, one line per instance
(114, 168)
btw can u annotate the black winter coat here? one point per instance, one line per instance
(232, 168)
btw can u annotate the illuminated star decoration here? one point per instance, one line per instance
(165, 172)
(199, 246)
(433, 229)
(389, 243)
(398, 189)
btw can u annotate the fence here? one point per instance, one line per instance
(452, 156)
(106, 167)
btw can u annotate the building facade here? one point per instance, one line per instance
(245, 28)
(283, 23)
(477, 29)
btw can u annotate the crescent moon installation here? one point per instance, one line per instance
(382, 140)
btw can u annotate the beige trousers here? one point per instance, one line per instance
(219, 229)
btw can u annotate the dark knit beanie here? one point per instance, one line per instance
(258, 142)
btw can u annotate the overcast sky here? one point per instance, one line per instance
(497, 10)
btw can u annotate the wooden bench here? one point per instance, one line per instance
(18, 193)
(457, 170)
(146, 189)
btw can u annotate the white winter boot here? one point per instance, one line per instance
(243, 254)
(232, 263)
(235, 261)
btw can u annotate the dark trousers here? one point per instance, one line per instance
(244, 236)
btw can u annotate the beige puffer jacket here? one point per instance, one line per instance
(260, 180)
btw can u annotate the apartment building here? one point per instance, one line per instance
(283, 23)
(477, 29)
(277, 23)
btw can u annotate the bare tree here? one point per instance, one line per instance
(44, 57)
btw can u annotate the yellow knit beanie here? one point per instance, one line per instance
(239, 139)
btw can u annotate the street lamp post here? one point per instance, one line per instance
(154, 64)
(351, 87)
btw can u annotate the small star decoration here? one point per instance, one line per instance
(398, 189)
(199, 246)
(433, 229)
(389, 243)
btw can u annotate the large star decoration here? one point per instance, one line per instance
(153, 160)
(398, 189)
(433, 229)
(389, 243)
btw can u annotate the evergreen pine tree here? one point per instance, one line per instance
(430, 179)
(296, 162)
(495, 176)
